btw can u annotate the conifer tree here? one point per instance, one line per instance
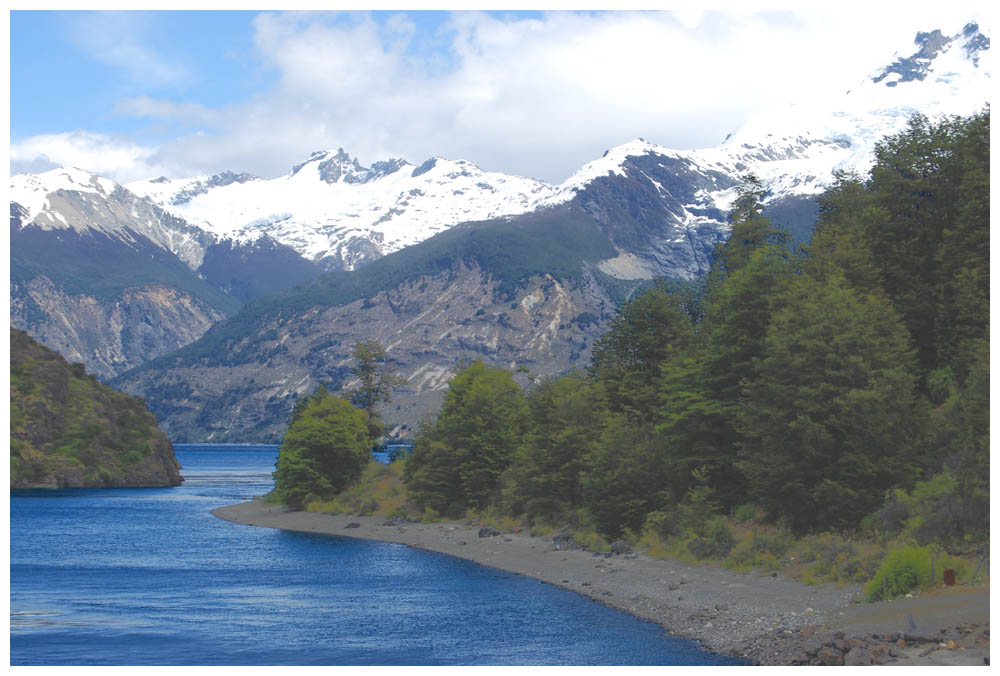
(458, 460)
(828, 421)
(377, 380)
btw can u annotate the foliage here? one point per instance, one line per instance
(716, 542)
(816, 394)
(377, 379)
(836, 559)
(567, 417)
(762, 548)
(458, 460)
(700, 392)
(69, 429)
(903, 571)
(835, 382)
(625, 479)
(378, 491)
(924, 214)
(323, 451)
(650, 329)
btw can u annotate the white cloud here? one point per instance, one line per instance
(120, 40)
(538, 97)
(112, 156)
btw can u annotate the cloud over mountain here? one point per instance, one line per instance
(535, 96)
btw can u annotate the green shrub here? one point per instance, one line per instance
(717, 543)
(941, 385)
(663, 524)
(752, 553)
(590, 540)
(744, 513)
(903, 571)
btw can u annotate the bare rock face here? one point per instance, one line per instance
(428, 326)
(67, 430)
(110, 335)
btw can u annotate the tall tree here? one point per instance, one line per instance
(650, 329)
(701, 392)
(840, 242)
(567, 417)
(322, 452)
(750, 231)
(828, 421)
(377, 379)
(458, 460)
(931, 182)
(626, 478)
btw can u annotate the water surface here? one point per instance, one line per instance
(149, 576)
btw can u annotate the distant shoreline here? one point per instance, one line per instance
(760, 618)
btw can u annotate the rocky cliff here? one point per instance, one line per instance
(525, 292)
(69, 431)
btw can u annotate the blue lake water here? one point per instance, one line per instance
(149, 576)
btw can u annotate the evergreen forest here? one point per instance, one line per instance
(826, 393)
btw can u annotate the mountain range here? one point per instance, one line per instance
(440, 261)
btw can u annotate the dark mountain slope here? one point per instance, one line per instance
(69, 431)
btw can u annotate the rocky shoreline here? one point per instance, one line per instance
(765, 619)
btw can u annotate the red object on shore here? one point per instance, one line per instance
(949, 577)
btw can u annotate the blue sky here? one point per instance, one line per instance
(136, 94)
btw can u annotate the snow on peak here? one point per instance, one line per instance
(612, 162)
(796, 147)
(32, 191)
(328, 206)
(337, 166)
(937, 55)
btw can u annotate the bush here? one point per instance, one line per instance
(903, 571)
(324, 450)
(717, 543)
(589, 539)
(744, 513)
(762, 549)
(941, 385)
(663, 524)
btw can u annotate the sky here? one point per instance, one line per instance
(139, 94)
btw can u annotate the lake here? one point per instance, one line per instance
(149, 576)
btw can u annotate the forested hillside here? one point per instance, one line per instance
(840, 387)
(67, 430)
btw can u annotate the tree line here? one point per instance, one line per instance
(825, 386)
(839, 386)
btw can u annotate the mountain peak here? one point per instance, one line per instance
(31, 191)
(931, 46)
(339, 167)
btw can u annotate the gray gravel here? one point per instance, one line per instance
(765, 618)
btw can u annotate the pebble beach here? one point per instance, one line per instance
(762, 617)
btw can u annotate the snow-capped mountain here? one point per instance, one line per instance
(76, 200)
(795, 149)
(109, 279)
(662, 210)
(333, 210)
(532, 288)
(73, 199)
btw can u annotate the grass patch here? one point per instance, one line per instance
(379, 491)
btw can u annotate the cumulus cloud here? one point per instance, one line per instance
(537, 96)
(107, 155)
